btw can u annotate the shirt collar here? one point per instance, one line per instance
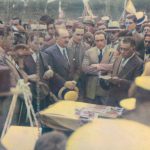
(124, 61)
(98, 50)
(60, 48)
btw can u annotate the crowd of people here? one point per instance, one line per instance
(98, 60)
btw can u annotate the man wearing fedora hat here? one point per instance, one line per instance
(113, 35)
(14, 61)
(89, 23)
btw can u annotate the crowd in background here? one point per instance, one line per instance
(98, 60)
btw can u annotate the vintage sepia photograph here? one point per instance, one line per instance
(74, 75)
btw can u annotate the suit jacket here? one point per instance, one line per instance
(14, 74)
(63, 71)
(91, 57)
(30, 66)
(78, 50)
(128, 73)
(77, 53)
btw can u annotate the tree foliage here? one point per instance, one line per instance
(72, 8)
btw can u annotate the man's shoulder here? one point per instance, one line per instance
(70, 43)
(84, 45)
(92, 49)
(51, 49)
(138, 59)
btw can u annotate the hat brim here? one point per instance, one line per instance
(128, 104)
(107, 30)
(141, 21)
(60, 93)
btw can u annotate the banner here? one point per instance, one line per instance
(130, 8)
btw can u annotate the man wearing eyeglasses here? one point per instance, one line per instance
(125, 69)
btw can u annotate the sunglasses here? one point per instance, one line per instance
(147, 41)
(124, 49)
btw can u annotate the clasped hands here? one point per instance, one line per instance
(70, 84)
(100, 67)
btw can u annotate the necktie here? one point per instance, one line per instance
(100, 56)
(65, 55)
(121, 65)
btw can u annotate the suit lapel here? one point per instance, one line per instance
(116, 66)
(94, 55)
(61, 58)
(127, 68)
(106, 54)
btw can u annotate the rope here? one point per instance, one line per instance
(10, 115)
(21, 88)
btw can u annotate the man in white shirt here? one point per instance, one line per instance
(97, 61)
(125, 69)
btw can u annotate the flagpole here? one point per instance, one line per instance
(45, 10)
(125, 4)
(124, 10)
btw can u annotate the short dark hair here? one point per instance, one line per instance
(51, 141)
(47, 19)
(78, 25)
(133, 17)
(100, 32)
(129, 40)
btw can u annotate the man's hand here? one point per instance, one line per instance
(102, 67)
(33, 77)
(48, 74)
(115, 80)
(70, 84)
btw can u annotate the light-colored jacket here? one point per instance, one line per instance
(91, 57)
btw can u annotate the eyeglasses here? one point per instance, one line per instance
(123, 49)
(147, 42)
(128, 23)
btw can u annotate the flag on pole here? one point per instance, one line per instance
(61, 13)
(130, 8)
(87, 10)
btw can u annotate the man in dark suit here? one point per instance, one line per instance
(131, 26)
(61, 61)
(125, 69)
(36, 66)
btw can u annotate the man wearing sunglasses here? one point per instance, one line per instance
(125, 69)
